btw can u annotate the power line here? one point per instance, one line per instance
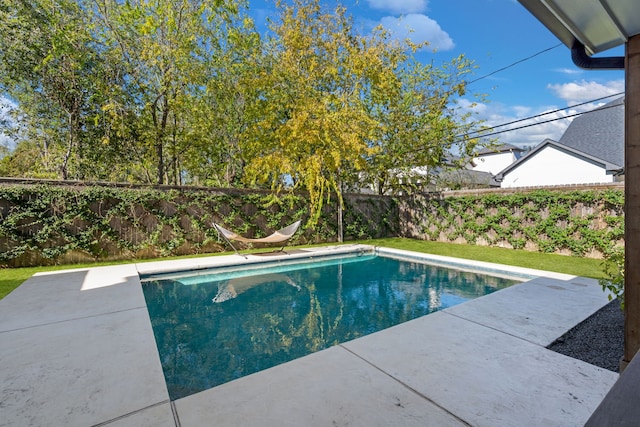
(546, 113)
(514, 63)
(460, 138)
(551, 120)
(507, 67)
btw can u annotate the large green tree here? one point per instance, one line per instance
(217, 119)
(336, 109)
(49, 67)
(165, 49)
(422, 128)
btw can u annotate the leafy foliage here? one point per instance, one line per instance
(613, 267)
(118, 91)
(187, 92)
(335, 109)
(578, 223)
(49, 224)
(310, 125)
(50, 69)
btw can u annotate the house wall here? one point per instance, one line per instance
(551, 166)
(493, 163)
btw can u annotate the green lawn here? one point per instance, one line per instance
(587, 267)
(11, 278)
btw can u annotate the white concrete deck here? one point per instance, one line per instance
(77, 349)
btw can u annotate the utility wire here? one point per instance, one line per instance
(543, 114)
(508, 66)
(550, 120)
(461, 138)
(480, 134)
(514, 64)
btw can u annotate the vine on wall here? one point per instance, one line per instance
(46, 224)
(581, 223)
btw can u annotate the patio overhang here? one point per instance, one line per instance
(598, 25)
(589, 27)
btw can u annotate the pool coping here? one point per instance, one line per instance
(87, 332)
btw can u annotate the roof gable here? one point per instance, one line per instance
(599, 133)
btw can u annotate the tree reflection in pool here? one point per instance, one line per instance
(210, 331)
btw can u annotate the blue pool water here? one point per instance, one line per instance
(214, 328)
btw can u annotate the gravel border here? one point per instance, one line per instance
(598, 340)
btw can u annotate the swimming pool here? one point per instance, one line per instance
(218, 325)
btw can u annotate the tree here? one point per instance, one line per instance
(164, 49)
(218, 119)
(420, 124)
(336, 109)
(47, 66)
(310, 125)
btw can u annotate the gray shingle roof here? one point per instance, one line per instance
(599, 133)
(468, 178)
(499, 149)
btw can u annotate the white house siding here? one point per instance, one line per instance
(493, 163)
(551, 166)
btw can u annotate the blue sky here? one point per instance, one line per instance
(494, 34)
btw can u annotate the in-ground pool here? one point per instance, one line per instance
(215, 326)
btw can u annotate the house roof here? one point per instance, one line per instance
(597, 136)
(502, 148)
(469, 178)
(609, 167)
(599, 133)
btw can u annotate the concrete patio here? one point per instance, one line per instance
(77, 349)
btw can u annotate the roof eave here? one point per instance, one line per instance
(551, 21)
(599, 25)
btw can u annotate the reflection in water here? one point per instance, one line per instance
(216, 331)
(231, 288)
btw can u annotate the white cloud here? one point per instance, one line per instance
(399, 6)
(418, 28)
(582, 91)
(549, 123)
(521, 110)
(569, 71)
(525, 131)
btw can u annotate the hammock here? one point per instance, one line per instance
(279, 236)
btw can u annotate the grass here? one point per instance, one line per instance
(578, 266)
(11, 278)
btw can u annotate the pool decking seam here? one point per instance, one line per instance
(121, 417)
(174, 411)
(73, 319)
(498, 330)
(407, 386)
